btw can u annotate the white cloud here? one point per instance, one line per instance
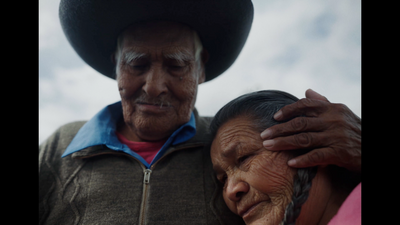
(49, 25)
(293, 46)
(71, 95)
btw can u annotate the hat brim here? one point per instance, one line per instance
(92, 27)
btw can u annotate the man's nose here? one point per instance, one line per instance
(236, 188)
(155, 82)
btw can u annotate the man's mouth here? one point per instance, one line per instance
(153, 108)
(159, 105)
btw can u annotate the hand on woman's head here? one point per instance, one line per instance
(258, 183)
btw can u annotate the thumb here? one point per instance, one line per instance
(314, 95)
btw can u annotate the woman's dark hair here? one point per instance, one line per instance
(260, 107)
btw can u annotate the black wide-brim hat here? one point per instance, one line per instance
(93, 26)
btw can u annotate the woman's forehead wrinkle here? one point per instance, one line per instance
(239, 134)
(235, 138)
(228, 143)
(231, 138)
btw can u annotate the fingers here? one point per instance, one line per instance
(314, 95)
(313, 100)
(308, 140)
(331, 130)
(317, 157)
(324, 157)
(294, 126)
(303, 107)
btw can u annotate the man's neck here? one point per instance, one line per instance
(130, 133)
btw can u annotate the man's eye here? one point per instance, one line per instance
(176, 67)
(139, 67)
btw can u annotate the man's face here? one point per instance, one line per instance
(257, 183)
(157, 77)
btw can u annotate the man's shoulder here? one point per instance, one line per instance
(60, 139)
(72, 126)
(54, 170)
(205, 120)
(68, 129)
(202, 125)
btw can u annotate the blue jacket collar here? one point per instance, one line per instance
(100, 130)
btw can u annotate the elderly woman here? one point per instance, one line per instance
(259, 186)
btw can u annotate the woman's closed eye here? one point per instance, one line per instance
(244, 162)
(243, 159)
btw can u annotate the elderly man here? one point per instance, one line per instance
(142, 160)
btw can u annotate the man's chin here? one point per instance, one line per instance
(154, 128)
(154, 124)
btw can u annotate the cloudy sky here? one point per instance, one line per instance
(293, 45)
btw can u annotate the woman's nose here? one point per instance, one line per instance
(236, 189)
(155, 82)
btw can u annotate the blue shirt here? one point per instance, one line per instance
(100, 130)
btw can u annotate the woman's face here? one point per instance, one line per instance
(258, 184)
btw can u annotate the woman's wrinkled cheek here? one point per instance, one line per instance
(272, 175)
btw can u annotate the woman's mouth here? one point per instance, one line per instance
(249, 210)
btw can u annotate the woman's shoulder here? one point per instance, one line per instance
(350, 211)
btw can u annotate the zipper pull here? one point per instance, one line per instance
(147, 173)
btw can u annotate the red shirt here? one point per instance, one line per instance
(147, 150)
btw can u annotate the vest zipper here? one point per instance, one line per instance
(146, 176)
(146, 184)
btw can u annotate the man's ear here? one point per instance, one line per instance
(204, 56)
(204, 59)
(113, 60)
(202, 76)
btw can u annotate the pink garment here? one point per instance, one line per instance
(147, 150)
(350, 211)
